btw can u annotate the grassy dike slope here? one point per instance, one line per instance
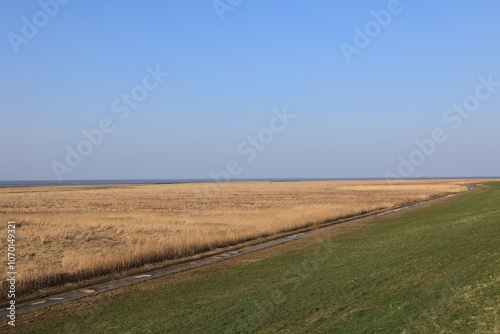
(431, 270)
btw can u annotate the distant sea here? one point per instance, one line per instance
(5, 184)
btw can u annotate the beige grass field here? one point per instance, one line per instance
(70, 233)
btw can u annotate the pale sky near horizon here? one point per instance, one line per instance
(68, 67)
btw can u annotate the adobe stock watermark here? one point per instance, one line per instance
(250, 147)
(11, 272)
(122, 107)
(373, 28)
(31, 26)
(223, 6)
(291, 280)
(247, 151)
(454, 118)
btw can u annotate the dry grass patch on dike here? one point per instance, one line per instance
(70, 233)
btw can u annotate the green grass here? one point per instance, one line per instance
(432, 270)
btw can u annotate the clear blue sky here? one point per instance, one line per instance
(227, 76)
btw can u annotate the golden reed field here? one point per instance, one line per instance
(69, 233)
